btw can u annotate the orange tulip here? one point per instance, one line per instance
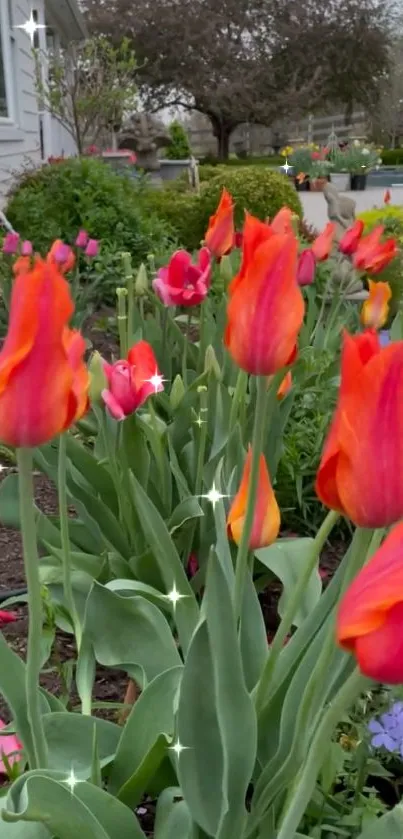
(266, 307)
(22, 265)
(285, 386)
(372, 255)
(266, 520)
(43, 379)
(349, 242)
(255, 232)
(370, 619)
(283, 221)
(362, 462)
(323, 244)
(375, 310)
(221, 231)
(62, 256)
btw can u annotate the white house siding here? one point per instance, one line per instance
(20, 141)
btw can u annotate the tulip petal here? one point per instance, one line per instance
(255, 232)
(220, 233)
(375, 310)
(266, 520)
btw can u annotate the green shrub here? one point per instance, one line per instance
(392, 157)
(269, 160)
(392, 219)
(57, 200)
(179, 147)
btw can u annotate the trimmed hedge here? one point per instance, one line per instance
(258, 189)
(392, 219)
(392, 157)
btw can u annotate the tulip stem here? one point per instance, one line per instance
(238, 399)
(202, 335)
(292, 607)
(38, 760)
(65, 540)
(257, 446)
(122, 321)
(305, 783)
(185, 349)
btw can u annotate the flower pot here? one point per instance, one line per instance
(341, 181)
(318, 184)
(358, 182)
(302, 186)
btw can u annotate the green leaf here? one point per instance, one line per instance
(97, 515)
(9, 502)
(396, 331)
(89, 811)
(22, 830)
(286, 559)
(389, 826)
(70, 740)
(129, 633)
(172, 818)
(216, 718)
(188, 510)
(169, 563)
(152, 715)
(253, 636)
(136, 450)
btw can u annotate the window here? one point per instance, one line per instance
(7, 50)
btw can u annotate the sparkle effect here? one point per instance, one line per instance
(175, 596)
(31, 26)
(157, 381)
(214, 496)
(72, 780)
(178, 748)
(286, 167)
(199, 421)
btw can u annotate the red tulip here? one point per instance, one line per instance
(306, 267)
(131, 381)
(323, 244)
(62, 256)
(220, 232)
(7, 617)
(362, 462)
(255, 232)
(43, 379)
(348, 244)
(10, 243)
(266, 307)
(387, 197)
(9, 745)
(370, 619)
(82, 239)
(282, 222)
(266, 520)
(181, 283)
(372, 255)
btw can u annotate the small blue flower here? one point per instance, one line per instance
(384, 337)
(388, 730)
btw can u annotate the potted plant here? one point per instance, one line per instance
(319, 172)
(358, 159)
(301, 162)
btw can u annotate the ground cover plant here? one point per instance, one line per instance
(167, 532)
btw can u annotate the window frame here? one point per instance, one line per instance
(8, 42)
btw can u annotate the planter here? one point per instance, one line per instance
(318, 184)
(302, 186)
(170, 170)
(358, 182)
(341, 181)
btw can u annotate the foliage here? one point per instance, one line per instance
(90, 85)
(179, 147)
(391, 217)
(256, 63)
(358, 159)
(55, 201)
(392, 157)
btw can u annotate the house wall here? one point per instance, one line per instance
(19, 136)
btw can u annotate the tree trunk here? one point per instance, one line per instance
(222, 131)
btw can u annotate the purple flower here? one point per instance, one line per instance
(82, 239)
(11, 242)
(26, 248)
(388, 730)
(92, 248)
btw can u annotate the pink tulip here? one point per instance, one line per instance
(82, 239)
(92, 248)
(131, 381)
(306, 267)
(181, 283)
(7, 617)
(26, 248)
(11, 242)
(8, 745)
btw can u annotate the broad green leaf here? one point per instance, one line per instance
(172, 819)
(169, 563)
(253, 635)
(97, 515)
(94, 473)
(188, 510)
(22, 830)
(152, 715)
(128, 588)
(216, 718)
(389, 826)
(135, 449)
(70, 742)
(9, 502)
(88, 811)
(129, 633)
(286, 558)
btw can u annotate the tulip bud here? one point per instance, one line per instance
(211, 364)
(177, 392)
(226, 270)
(141, 281)
(98, 380)
(306, 268)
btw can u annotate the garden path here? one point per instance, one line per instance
(314, 204)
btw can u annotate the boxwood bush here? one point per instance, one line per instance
(391, 218)
(56, 200)
(258, 189)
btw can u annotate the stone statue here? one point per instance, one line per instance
(341, 211)
(144, 134)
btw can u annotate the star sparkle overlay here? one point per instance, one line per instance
(286, 167)
(72, 781)
(178, 748)
(30, 27)
(174, 596)
(157, 382)
(214, 496)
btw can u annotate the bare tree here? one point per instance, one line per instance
(387, 121)
(89, 86)
(253, 61)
